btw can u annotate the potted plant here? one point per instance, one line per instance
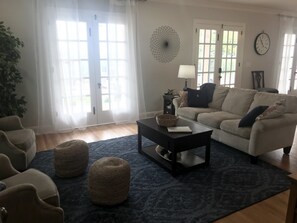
(10, 76)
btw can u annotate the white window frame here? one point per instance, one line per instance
(211, 23)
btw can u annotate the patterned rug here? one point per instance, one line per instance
(203, 195)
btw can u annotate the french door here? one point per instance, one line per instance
(218, 52)
(92, 57)
(288, 72)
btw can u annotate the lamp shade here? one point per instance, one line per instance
(186, 71)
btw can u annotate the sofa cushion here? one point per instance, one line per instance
(249, 119)
(273, 111)
(22, 138)
(197, 98)
(218, 98)
(192, 112)
(214, 119)
(238, 101)
(264, 98)
(231, 126)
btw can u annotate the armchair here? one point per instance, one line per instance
(17, 142)
(30, 196)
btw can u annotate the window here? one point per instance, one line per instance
(218, 53)
(288, 70)
(112, 56)
(74, 65)
(93, 61)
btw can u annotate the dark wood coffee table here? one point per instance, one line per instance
(175, 143)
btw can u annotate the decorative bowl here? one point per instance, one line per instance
(166, 120)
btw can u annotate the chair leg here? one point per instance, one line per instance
(287, 150)
(253, 159)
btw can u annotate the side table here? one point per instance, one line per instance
(292, 204)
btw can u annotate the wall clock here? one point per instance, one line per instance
(262, 43)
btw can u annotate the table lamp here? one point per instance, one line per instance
(187, 72)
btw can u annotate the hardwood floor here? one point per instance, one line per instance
(272, 210)
(90, 134)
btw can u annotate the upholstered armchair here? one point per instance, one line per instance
(17, 142)
(30, 196)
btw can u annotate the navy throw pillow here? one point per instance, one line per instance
(197, 98)
(249, 119)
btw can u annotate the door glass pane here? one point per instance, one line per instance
(103, 68)
(217, 51)
(286, 64)
(104, 85)
(295, 79)
(113, 61)
(73, 59)
(229, 58)
(206, 56)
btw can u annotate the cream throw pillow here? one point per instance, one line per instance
(273, 111)
(183, 99)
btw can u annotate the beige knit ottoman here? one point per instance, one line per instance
(109, 181)
(71, 158)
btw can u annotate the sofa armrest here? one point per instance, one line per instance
(6, 169)
(271, 134)
(10, 123)
(279, 122)
(176, 103)
(23, 205)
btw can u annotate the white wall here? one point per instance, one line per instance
(157, 77)
(161, 76)
(19, 16)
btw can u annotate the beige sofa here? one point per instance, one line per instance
(227, 108)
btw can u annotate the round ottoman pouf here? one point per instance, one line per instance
(109, 181)
(71, 158)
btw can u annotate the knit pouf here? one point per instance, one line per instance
(109, 181)
(71, 158)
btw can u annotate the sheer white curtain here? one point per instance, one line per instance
(127, 98)
(55, 112)
(63, 95)
(285, 53)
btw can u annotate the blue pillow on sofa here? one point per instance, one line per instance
(197, 98)
(249, 119)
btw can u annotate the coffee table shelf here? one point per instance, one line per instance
(185, 163)
(175, 143)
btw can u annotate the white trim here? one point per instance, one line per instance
(228, 6)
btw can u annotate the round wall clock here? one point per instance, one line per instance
(262, 43)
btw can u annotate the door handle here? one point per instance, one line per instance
(99, 85)
(220, 71)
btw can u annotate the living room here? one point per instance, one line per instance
(158, 77)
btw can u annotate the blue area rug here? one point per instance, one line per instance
(203, 195)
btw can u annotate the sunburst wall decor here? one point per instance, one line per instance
(165, 44)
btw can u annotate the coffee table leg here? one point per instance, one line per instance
(139, 140)
(207, 154)
(173, 164)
